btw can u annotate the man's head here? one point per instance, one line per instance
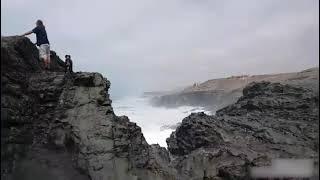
(39, 23)
(67, 56)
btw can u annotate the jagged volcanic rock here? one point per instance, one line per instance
(269, 121)
(60, 127)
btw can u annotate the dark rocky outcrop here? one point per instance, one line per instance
(65, 125)
(20, 107)
(270, 120)
(62, 127)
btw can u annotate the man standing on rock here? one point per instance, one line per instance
(42, 42)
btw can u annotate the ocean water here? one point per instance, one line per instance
(154, 121)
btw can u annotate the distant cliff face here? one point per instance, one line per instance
(218, 93)
(58, 127)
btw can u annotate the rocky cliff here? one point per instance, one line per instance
(218, 93)
(269, 121)
(62, 127)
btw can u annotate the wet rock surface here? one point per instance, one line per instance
(62, 127)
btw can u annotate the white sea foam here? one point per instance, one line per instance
(151, 119)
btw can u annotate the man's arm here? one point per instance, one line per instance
(34, 30)
(27, 33)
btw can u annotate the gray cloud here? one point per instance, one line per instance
(150, 45)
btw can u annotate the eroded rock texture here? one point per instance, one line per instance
(269, 121)
(62, 127)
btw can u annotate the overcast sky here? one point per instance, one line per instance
(146, 45)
